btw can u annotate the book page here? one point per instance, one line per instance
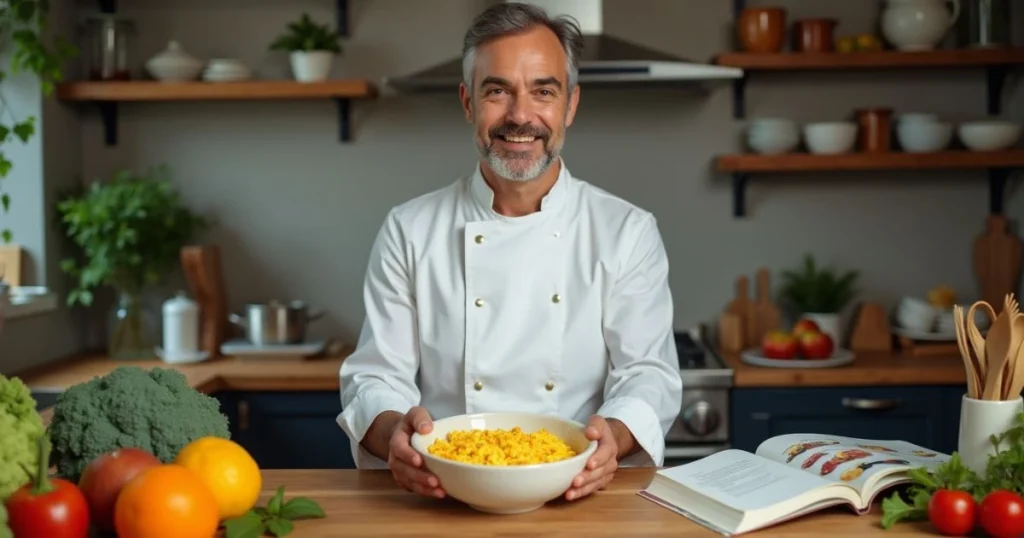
(743, 481)
(859, 463)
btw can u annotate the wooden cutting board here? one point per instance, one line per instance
(767, 316)
(10, 264)
(202, 267)
(743, 308)
(997, 260)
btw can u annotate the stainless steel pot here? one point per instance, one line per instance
(275, 323)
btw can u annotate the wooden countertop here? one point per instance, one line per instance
(867, 369)
(368, 503)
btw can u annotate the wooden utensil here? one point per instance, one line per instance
(1010, 377)
(202, 267)
(744, 308)
(973, 382)
(997, 346)
(1017, 383)
(997, 260)
(977, 341)
(767, 316)
(871, 331)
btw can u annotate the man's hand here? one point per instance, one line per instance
(406, 464)
(601, 466)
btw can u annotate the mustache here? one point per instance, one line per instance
(511, 129)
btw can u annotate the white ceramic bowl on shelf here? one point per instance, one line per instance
(924, 136)
(830, 137)
(989, 135)
(773, 136)
(510, 489)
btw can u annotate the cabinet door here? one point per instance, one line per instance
(290, 430)
(913, 414)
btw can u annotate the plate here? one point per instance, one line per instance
(925, 335)
(199, 356)
(839, 357)
(246, 349)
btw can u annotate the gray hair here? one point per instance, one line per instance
(509, 18)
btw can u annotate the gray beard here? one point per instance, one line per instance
(518, 167)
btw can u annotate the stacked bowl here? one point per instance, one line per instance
(923, 133)
(773, 136)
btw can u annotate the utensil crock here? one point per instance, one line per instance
(979, 420)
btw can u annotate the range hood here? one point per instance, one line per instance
(606, 60)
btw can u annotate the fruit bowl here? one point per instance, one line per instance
(511, 489)
(755, 357)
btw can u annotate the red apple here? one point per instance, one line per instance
(779, 345)
(805, 326)
(816, 345)
(103, 478)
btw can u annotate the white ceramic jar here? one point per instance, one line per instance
(173, 64)
(915, 25)
(181, 328)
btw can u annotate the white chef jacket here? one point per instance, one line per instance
(564, 311)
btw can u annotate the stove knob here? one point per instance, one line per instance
(700, 418)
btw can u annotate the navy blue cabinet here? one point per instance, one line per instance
(925, 415)
(288, 430)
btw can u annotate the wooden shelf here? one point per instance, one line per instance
(804, 61)
(108, 94)
(998, 163)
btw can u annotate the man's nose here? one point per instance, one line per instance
(519, 111)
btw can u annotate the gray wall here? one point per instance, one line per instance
(298, 210)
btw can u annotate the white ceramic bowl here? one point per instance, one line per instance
(510, 489)
(830, 138)
(914, 117)
(923, 136)
(916, 314)
(991, 135)
(773, 141)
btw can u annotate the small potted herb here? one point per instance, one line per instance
(312, 47)
(819, 294)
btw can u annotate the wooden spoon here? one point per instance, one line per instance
(1010, 369)
(1017, 377)
(978, 341)
(973, 381)
(997, 347)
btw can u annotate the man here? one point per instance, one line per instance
(518, 287)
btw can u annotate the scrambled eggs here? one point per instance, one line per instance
(501, 447)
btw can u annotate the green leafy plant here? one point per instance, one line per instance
(306, 35)
(130, 232)
(23, 24)
(276, 519)
(820, 290)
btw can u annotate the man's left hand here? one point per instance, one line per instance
(601, 466)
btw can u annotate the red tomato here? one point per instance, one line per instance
(57, 512)
(1002, 514)
(952, 512)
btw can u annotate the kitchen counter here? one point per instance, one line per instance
(369, 503)
(867, 369)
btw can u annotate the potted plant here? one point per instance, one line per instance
(130, 232)
(312, 47)
(819, 294)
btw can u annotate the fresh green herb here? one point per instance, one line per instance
(306, 35)
(277, 519)
(816, 289)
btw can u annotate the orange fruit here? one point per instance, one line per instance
(227, 469)
(167, 501)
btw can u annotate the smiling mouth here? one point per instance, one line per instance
(518, 139)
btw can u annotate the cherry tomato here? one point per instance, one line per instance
(59, 512)
(952, 512)
(1002, 514)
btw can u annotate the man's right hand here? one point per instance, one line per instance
(406, 464)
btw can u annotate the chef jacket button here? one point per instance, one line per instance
(478, 386)
(479, 239)
(557, 234)
(549, 386)
(479, 302)
(556, 298)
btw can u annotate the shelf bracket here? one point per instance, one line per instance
(108, 110)
(344, 119)
(108, 6)
(996, 78)
(997, 189)
(341, 12)
(739, 98)
(739, 195)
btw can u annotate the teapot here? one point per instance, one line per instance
(915, 25)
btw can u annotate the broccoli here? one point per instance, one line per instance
(155, 410)
(20, 429)
(5, 531)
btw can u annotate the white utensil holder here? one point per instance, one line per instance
(979, 420)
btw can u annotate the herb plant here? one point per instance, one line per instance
(819, 290)
(306, 35)
(23, 24)
(276, 519)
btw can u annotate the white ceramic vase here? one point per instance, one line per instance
(979, 420)
(829, 324)
(915, 25)
(311, 66)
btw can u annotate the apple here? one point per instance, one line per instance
(816, 345)
(805, 326)
(779, 345)
(103, 478)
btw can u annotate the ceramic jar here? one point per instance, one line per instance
(761, 29)
(181, 328)
(814, 35)
(875, 128)
(915, 25)
(174, 64)
(979, 421)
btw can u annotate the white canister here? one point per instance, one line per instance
(181, 328)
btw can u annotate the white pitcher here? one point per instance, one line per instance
(915, 25)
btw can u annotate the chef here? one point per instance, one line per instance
(518, 287)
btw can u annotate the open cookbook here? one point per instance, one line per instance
(733, 492)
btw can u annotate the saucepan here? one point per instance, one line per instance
(275, 323)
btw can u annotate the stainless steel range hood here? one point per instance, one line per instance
(606, 60)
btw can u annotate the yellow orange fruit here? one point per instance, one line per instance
(167, 501)
(227, 469)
